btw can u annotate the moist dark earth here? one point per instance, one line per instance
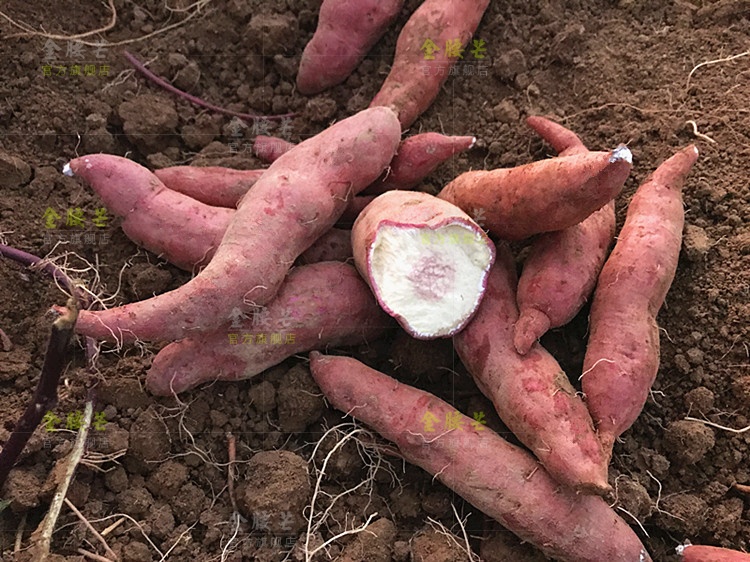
(656, 75)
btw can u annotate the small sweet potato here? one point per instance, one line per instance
(508, 200)
(298, 199)
(212, 185)
(696, 553)
(154, 217)
(326, 304)
(418, 72)
(531, 393)
(500, 479)
(425, 260)
(346, 32)
(561, 269)
(622, 356)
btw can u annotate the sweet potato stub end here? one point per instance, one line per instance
(430, 279)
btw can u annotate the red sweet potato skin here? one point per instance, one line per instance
(346, 32)
(531, 393)
(276, 221)
(269, 149)
(560, 273)
(408, 89)
(500, 479)
(696, 553)
(169, 224)
(334, 245)
(318, 305)
(622, 356)
(212, 185)
(508, 198)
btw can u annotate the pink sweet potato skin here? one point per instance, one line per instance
(276, 221)
(559, 275)
(319, 305)
(622, 356)
(269, 149)
(417, 158)
(531, 393)
(406, 209)
(167, 223)
(346, 32)
(409, 89)
(334, 245)
(508, 198)
(212, 185)
(562, 267)
(500, 479)
(696, 553)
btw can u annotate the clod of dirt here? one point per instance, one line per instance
(262, 397)
(688, 441)
(136, 502)
(166, 480)
(272, 34)
(276, 490)
(145, 280)
(14, 172)
(136, 552)
(371, 545)
(114, 439)
(22, 488)
(14, 364)
(124, 393)
(509, 64)
(161, 521)
(188, 504)
(201, 133)
(506, 112)
(502, 546)
(149, 441)
(431, 546)
(437, 503)
(685, 514)
(699, 400)
(116, 479)
(725, 519)
(98, 140)
(416, 358)
(320, 109)
(404, 502)
(299, 402)
(741, 388)
(149, 122)
(633, 497)
(695, 243)
(655, 462)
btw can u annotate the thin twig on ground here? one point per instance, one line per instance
(710, 62)
(92, 556)
(88, 525)
(159, 81)
(42, 537)
(45, 395)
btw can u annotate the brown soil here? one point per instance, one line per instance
(614, 71)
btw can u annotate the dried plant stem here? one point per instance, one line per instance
(42, 537)
(140, 67)
(94, 532)
(45, 395)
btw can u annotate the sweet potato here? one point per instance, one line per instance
(696, 553)
(418, 73)
(299, 198)
(622, 356)
(500, 479)
(561, 269)
(212, 185)
(167, 223)
(425, 260)
(334, 245)
(346, 32)
(326, 304)
(531, 393)
(508, 201)
(269, 149)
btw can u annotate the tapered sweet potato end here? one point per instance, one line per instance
(531, 325)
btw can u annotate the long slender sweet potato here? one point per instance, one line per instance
(212, 185)
(299, 198)
(419, 67)
(326, 304)
(425, 260)
(509, 201)
(531, 393)
(622, 356)
(561, 269)
(500, 479)
(185, 231)
(696, 553)
(346, 32)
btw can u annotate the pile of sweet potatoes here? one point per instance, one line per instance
(264, 246)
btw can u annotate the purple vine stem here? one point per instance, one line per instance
(30, 260)
(138, 65)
